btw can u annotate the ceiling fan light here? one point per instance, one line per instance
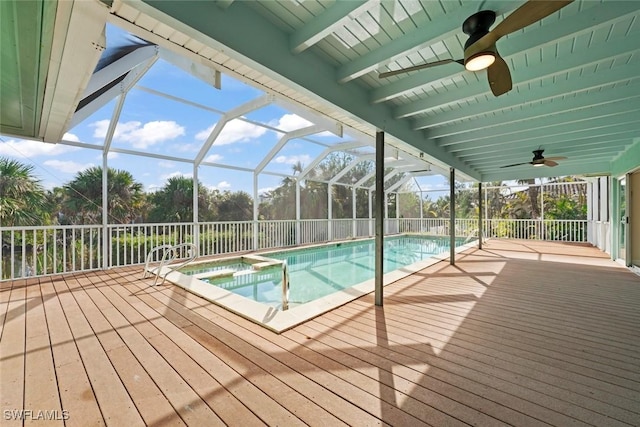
(480, 61)
(537, 165)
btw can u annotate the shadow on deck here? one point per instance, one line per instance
(520, 333)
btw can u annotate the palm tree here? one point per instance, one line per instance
(533, 192)
(22, 198)
(174, 202)
(282, 200)
(83, 197)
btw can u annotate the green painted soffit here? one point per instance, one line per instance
(241, 29)
(26, 36)
(627, 161)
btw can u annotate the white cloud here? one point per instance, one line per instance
(305, 159)
(139, 135)
(213, 158)
(222, 185)
(70, 137)
(48, 185)
(263, 191)
(30, 148)
(175, 174)
(67, 166)
(290, 122)
(234, 131)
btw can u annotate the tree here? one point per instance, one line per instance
(409, 205)
(22, 198)
(82, 202)
(237, 206)
(429, 208)
(533, 191)
(174, 202)
(280, 203)
(495, 199)
(517, 207)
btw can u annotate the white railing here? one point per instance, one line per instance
(275, 234)
(225, 237)
(130, 243)
(37, 251)
(364, 227)
(43, 250)
(341, 229)
(535, 229)
(430, 226)
(313, 231)
(391, 226)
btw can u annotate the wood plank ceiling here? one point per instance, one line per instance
(576, 73)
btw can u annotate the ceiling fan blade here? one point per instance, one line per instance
(499, 77)
(550, 163)
(555, 158)
(419, 67)
(517, 164)
(527, 14)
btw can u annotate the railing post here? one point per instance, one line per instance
(196, 236)
(298, 213)
(370, 213)
(329, 213)
(354, 213)
(105, 213)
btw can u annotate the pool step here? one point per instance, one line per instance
(224, 272)
(257, 263)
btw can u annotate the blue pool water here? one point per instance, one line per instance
(319, 271)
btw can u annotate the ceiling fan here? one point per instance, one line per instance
(480, 49)
(539, 160)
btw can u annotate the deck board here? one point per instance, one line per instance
(12, 350)
(115, 403)
(76, 395)
(40, 380)
(520, 333)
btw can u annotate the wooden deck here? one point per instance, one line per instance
(520, 333)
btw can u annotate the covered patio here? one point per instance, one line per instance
(477, 343)
(513, 332)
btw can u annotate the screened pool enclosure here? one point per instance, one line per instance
(143, 87)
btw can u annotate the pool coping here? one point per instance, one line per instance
(279, 321)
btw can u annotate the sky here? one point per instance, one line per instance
(156, 124)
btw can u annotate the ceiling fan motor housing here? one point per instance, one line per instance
(537, 157)
(477, 26)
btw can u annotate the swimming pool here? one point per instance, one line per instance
(256, 276)
(320, 271)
